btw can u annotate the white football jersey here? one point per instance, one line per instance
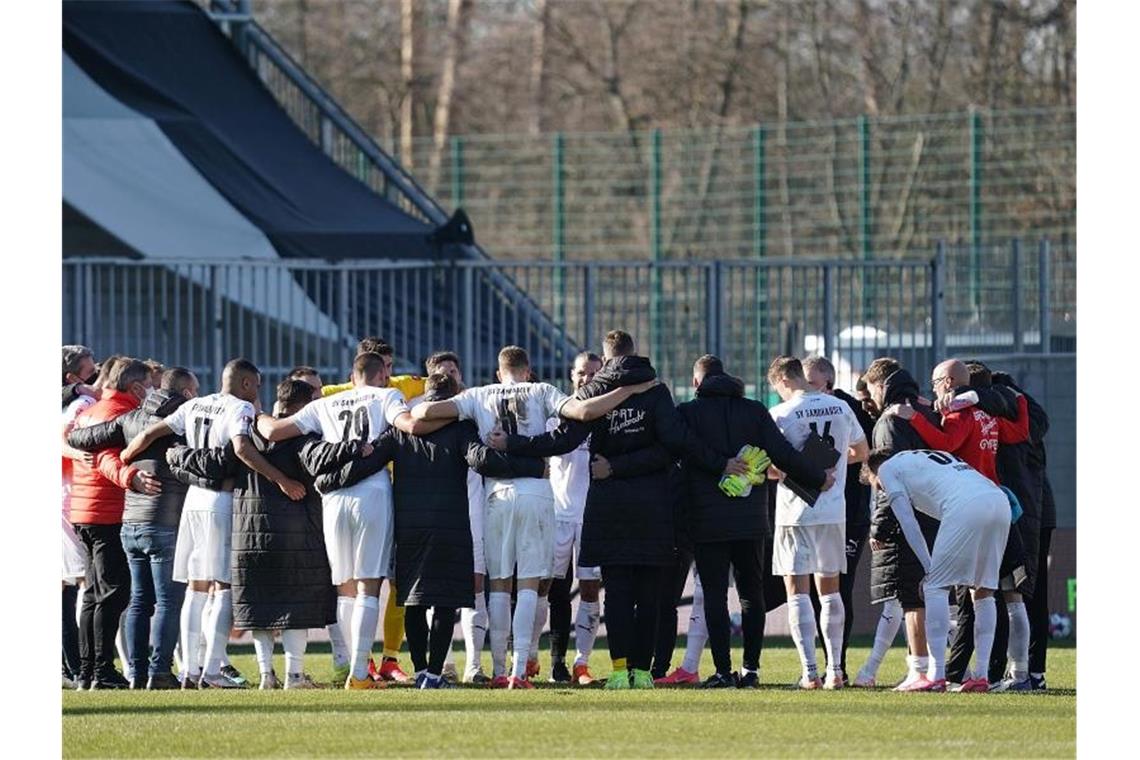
(211, 422)
(360, 414)
(833, 421)
(516, 408)
(570, 480)
(936, 482)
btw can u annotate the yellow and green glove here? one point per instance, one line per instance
(739, 486)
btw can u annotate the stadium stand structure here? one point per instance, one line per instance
(175, 150)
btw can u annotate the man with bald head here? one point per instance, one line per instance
(969, 433)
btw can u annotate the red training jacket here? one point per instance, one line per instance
(967, 433)
(97, 492)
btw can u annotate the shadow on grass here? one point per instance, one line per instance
(512, 706)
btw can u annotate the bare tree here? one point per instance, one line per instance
(538, 71)
(458, 13)
(408, 75)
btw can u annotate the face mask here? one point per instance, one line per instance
(91, 379)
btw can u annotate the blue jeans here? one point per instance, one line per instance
(150, 555)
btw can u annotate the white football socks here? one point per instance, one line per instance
(217, 629)
(473, 621)
(697, 634)
(294, 640)
(337, 642)
(937, 630)
(541, 610)
(362, 632)
(522, 629)
(343, 626)
(831, 621)
(585, 630)
(191, 625)
(801, 619)
(985, 623)
(890, 620)
(263, 648)
(499, 613)
(1018, 650)
(204, 636)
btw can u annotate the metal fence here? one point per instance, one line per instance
(283, 313)
(861, 188)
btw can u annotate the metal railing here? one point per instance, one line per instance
(289, 312)
(318, 115)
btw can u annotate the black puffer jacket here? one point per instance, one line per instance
(281, 577)
(725, 421)
(857, 495)
(629, 516)
(1021, 467)
(434, 556)
(895, 572)
(165, 509)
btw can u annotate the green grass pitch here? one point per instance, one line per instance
(584, 722)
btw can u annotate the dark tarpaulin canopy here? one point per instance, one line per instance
(169, 61)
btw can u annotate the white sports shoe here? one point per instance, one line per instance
(269, 681)
(299, 681)
(218, 681)
(911, 677)
(863, 681)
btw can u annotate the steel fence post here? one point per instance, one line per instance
(1044, 308)
(711, 311)
(216, 311)
(937, 316)
(655, 245)
(828, 312)
(976, 157)
(559, 231)
(865, 222)
(345, 332)
(588, 284)
(469, 313)
(1015, 262)
(759, 249)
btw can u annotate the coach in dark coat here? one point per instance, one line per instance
(727, 531)
(895, 571)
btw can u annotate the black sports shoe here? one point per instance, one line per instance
(232, 673)
(162, 681)
(749, 681)
(83, 684)
(109, 679)
(559, 673)
(138, 682)
(720, 681)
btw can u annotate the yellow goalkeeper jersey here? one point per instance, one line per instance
(412, 386)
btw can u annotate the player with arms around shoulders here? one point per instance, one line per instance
(202, 549)
(975, 520)
(357, 519)
(519, 527)
(810, 539)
